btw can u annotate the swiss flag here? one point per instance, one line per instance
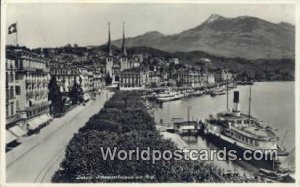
(12, 28)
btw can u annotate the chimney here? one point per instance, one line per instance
(236, 100)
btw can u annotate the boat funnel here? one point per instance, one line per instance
(236, 102)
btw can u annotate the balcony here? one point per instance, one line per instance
(12, 119)
(44, 70)
(11, 97)
(26, 68)
(33, 69)
(46, 103)
(29, 81)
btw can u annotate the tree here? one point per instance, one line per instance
(171, 67)
(153, 85)
(161, 70)
(76, 93)
(108, 79)
(55, 96)
(116, 78)
(125, 123)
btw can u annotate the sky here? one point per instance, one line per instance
(57, 24)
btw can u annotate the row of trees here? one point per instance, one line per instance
(125, 123)
(55, 95)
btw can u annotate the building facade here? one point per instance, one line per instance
(223, 76)
(65, 74)
(188, 78)
(132, 79)
(27, 90)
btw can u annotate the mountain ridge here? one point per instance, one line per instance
(244, 36)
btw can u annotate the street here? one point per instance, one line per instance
(39, 156)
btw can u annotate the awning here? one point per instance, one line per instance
(34, 123)
(37, 121)
(86, 97)
(187, 128)
(49, 117)
(32, 101)
(9, 137)
(44, 118)
(16, 130)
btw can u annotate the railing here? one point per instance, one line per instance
(13, 118)
(34, 69)
(29, 81)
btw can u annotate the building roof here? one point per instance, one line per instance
(14, 52)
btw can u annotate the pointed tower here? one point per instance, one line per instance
(109, 50)
(124, 62)
(109, 58)
(124, 51)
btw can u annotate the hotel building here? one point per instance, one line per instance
(27, 105)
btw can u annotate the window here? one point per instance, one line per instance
(12, 108)
(16, 64)
(7, 93)
(7, 77)
(18, 90)
(21, 63)
(17, 104)
(11, 91)
(12, 76)
(7, 111)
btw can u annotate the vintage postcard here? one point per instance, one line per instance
(148, 92)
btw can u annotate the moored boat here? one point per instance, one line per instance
(218, 91)
(232, 86)
(243, 132)
(245, 82)
(169, 96)
(273, 176)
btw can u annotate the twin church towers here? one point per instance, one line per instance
(119, 63)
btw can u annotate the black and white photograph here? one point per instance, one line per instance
(148, 92)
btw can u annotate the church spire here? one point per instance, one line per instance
(124, 51)
(109, 43)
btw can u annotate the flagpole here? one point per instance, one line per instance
(17, 33)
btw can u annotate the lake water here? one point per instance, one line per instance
(272, 102)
